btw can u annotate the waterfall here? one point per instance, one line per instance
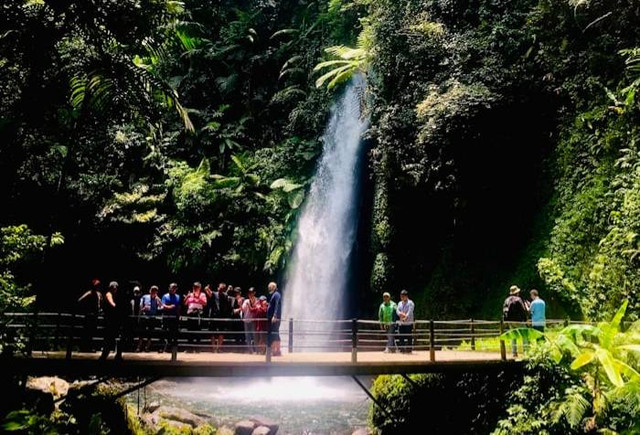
(316, 281)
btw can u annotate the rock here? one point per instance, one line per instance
(224, 430)
(43, 391)
(244, 427)
(179, 415)
(361, 431)
(262, 430)
(263, 421)
(151, 407)
(49, 384)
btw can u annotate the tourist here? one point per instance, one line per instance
(132, 321)
(405, 322)
(150, 307)
(236, 314)
(260, 314)
(221, 313)
(171, 316)
(196, 301)
(134, 302)
(514, 312)
(537, 310)
(274, 313)
(113, 314)
(90, 304)
(247, 314)
(386, 317)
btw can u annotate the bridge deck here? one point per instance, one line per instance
(235, 364)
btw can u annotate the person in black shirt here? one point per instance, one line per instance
(90, 304)
(114, 311)
(514, 312)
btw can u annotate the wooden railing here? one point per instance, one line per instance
(74, 333)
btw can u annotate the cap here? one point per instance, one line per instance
(386, 295)
(251, 290)
(404, 292)
(263, 298)
(514, 289)
(136, 289)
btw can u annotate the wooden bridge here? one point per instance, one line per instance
(51, 344)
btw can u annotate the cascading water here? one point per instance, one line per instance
(318, 275)
(315, 290)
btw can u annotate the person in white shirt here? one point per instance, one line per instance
(405, 323)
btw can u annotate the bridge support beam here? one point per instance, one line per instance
(388, 414)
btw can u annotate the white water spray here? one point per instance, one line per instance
(316, 281)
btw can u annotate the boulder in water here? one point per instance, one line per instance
(179, 415)
(262, 430)
(244, 427)
(263, 421)
(50, 385)
(151, 407)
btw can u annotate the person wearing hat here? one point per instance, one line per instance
(387, 317)
(405, 323)
(247, 314)
(514, 312)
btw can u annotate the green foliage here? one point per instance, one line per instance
(451, 403)
(18, 247)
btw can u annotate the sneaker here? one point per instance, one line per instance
(386, 350)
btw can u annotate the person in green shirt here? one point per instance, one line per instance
(386, 316)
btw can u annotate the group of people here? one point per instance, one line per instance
(397, 320)
(517, 312)
(252, 322)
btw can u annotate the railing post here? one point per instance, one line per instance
(432, 341)
(291, 335)
(72, 321)
(268, 349)
(33, 332)
(354, 340)
(175, 335)
(503, 349)
(473, 336)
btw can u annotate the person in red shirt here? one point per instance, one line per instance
(259, 311)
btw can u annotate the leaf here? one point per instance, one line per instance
(609, 366)
(295, 199)
(528, 334)
(582, 360)
(284, 32)
(236, 160)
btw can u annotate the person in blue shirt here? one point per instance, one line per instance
(150, 307)
(537, 311)
(170, 316)
(274, 313)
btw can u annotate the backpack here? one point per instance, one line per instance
(514, 309)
